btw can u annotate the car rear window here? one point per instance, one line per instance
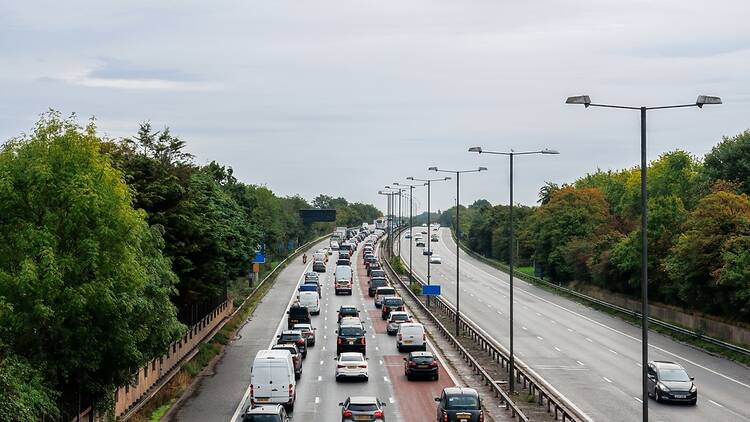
(400, 317)
(393, 301)
(377, 273)
(350, 358)
(462, 403)
(289, 337)
(350, 332)
(420, 360)
(261, 418)
(363, 407)
(382, 292)
(298, 312)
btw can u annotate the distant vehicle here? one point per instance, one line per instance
(351, 320)
(347, 311)
(373, 266)
(344, 261)
(309, 287)
(380, 224)
(351, 338)
(351, 365)
(310, 300)
(319, 266)
(379, 273)
(297, 315)
(390, 304)
(435, 259)
(426, 251)
(407, 235)
(296, 356)
(374, 284)
(411, 336)
(459, 404)
(434, 238)
(346, 247)
(424, 224)
(294, 337)
(343, 280)
(308, 331)
(268, 413)
(382, 292)
(320, 255)
(361, 408)
(334, 245)
(421, 364)
(395, 319)
(272, 369)
(420, 243)
(668, 381)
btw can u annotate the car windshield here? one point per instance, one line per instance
(673, 375)
(261, 418)
(462, 403)
(350, 331)
(363, 407)
(351, 358)
(289, 337)
(348, 311)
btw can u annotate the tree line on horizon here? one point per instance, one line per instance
(588, 232)
(110, 248)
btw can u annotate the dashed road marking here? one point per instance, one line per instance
(589, 340)
(607, 379)
(580, 363)
(539, 337)
(524, 328)
(638, 399)
(558, 349)
(317, 400)
(612, 351)
(715, 404)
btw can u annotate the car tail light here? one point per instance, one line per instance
(445, 416)
(424, 337)
(301, 341)
(361, 366)
(252, 391)
(399, 337)
(340, 366)
(433, 364)
(291, 390)
(362, 341)
(481, 416)
(378, 414)
(412, 364)
(338, 340)
(347, 413)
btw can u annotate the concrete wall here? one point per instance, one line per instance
(736, 333)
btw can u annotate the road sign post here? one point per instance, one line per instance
(431, 290)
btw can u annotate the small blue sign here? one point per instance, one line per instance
(431, 290)
(260, 258)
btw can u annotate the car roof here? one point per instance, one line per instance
(460, 391)
(303, 325)
(399, 313)
(348, 307)
(351, 325)
(264, 410)
(291, 332)
(363, 400)
(666, 364)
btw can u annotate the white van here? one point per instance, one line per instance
(411, 336)
(334, 245)
(311, 301)
(343, 280)
(272, 379)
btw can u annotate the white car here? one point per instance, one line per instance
(407, 235)
(351, 365)
(435, 259)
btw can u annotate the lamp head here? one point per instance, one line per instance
(550, 151)
(447, 178)
(482, 169)
(579, 99)
(475, 149)
(410, 178)
(433, 169)
(707, 99)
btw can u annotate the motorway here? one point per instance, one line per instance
(592, 358)
(223, 395)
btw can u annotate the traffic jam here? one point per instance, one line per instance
(406, 372)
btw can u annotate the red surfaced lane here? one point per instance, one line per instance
(415, 399)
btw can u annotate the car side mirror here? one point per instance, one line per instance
(287, 312)
(337, 331)
(341, 403)
(692, 378)
(279, 336)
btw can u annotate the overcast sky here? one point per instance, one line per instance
(344, 97)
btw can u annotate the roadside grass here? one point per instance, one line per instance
(682, 338)
(163, 401)
(526, 270)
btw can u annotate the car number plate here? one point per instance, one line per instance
(361, 418)
(463, 416)
(423, 366)
(407, 341)
(263, 399)
(351, 341)
(680, 396)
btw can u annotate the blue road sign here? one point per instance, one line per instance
(260, 258)
(431, 290)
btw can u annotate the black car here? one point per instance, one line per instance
(267, 413)
(421, 364)
(374, 284)
(459, 404)
(344, 261)
(668, 381)
(362, 409)
(351, 338)
(390, 304)
(297, 315)
(296, 337)
(319, 266)
(346, 310)
(378, 273)
(373, 266)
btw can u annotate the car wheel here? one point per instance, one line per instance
(437, 376)
(398, 347)
(657, 396)
(694, 401)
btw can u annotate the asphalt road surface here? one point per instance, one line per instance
(223, 395)
(590, 357)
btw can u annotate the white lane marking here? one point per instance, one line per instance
(552, 321)
(638, 399)
(321, 362)
(323, 349)
(589, 340)
(612, 351)
(570, 330)
(524, 328)
(380, 361)
(325, 336)
(714, 403)
(580, 363)
(607, 379)
(390, 400)
(386, 380)
(377, 349)
(317, 400)
(639, 364)
(636, 339)
(539, 337)
(538, 314)
(499, 313)
(320, 378)
(558, 349)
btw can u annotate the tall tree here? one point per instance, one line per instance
(730, 161)
(82, 270)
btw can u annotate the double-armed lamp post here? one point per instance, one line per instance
(458, 235)
(398, 192)
(411, 224)
(702, 100)
(511, 154)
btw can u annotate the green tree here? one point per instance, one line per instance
(730, 161)
(82, 270)
(24, 394)
(706, 262)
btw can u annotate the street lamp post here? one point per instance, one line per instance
(511, 154)
(411, 225)
(399, 190)
(702, 100)
(429, 248)
(458, 235)
(387, 213)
